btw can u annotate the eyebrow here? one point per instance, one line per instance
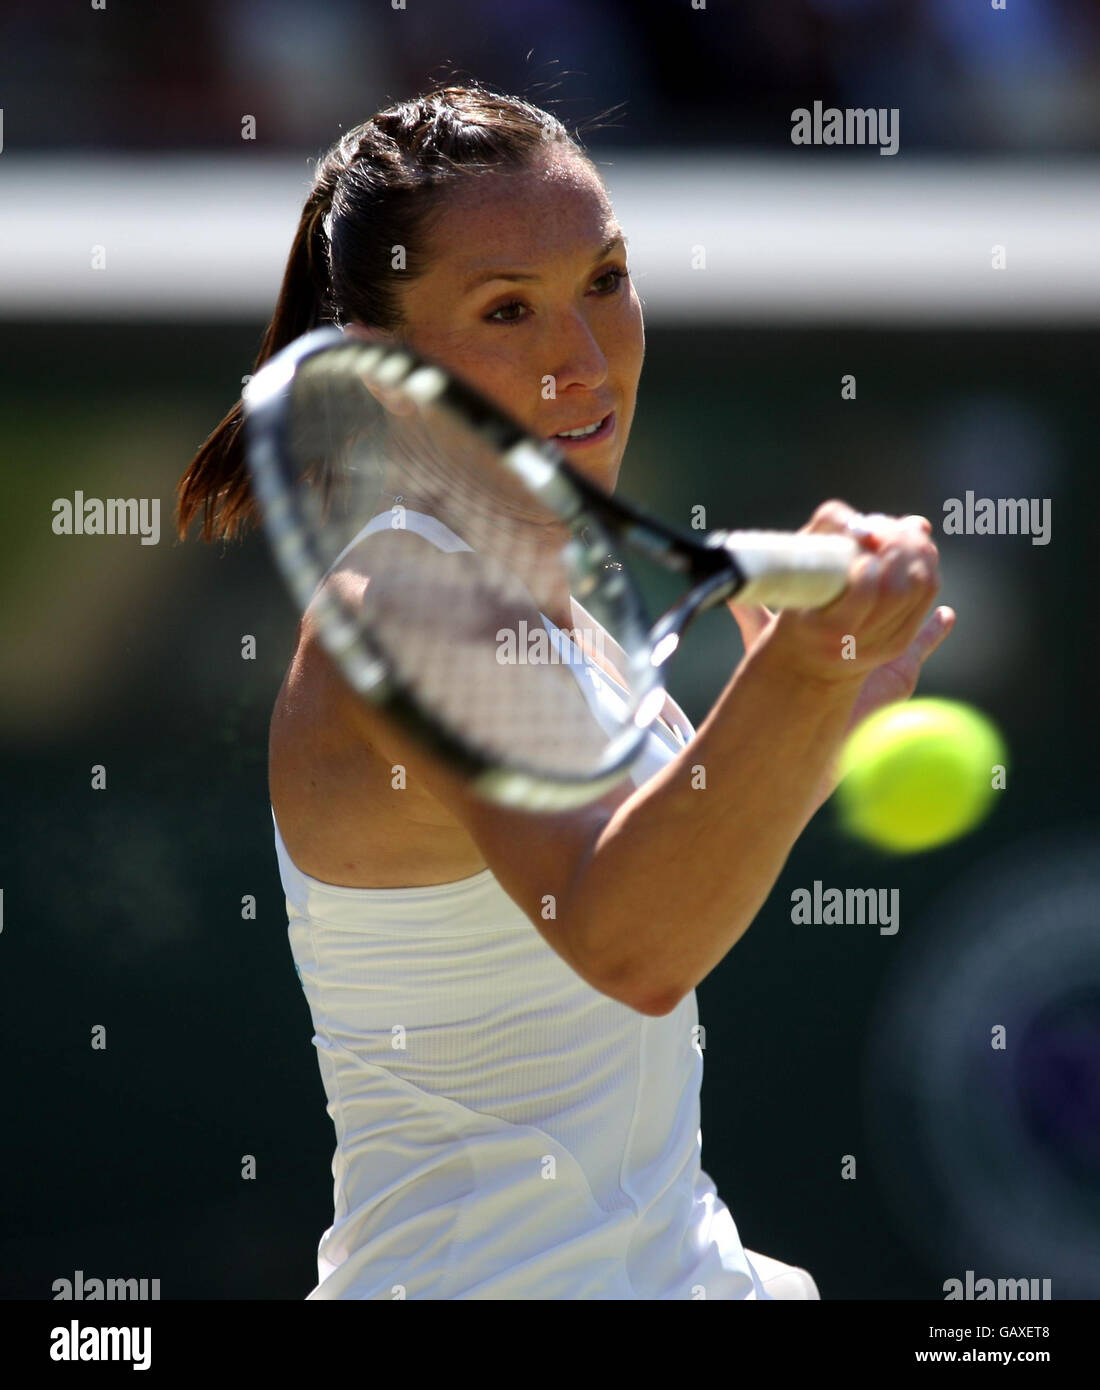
(481, 276)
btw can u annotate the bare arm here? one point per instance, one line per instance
(681, 869)
(644, 892)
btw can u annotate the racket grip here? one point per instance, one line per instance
(784, 570)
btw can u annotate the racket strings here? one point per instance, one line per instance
(481, 639)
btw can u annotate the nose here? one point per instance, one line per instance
(580, 360)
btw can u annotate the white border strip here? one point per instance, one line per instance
(810, 239)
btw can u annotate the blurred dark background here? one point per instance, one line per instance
(123, 907)
(155, 77)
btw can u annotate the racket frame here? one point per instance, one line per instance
(709, 563)
(544, 468)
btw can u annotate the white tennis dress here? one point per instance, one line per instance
(503, 1130)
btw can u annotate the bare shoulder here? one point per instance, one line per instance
(362, 803)
(346, 812)
(348, 803)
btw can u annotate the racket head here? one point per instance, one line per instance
(359, 451)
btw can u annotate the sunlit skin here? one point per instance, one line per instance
(559, 304)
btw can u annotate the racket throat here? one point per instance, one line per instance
(667, 632)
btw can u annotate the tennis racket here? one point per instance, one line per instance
(463, 576)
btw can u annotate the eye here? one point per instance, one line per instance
(611, 278)
(504, 314)
(605, 285)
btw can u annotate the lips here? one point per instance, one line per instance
(604, 427)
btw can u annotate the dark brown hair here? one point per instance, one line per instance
(374, 190)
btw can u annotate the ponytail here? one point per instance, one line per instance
(216, 483)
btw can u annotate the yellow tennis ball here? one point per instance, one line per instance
(919, 774)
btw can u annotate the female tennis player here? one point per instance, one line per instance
(504, 1002)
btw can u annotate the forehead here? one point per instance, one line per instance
(553, 205)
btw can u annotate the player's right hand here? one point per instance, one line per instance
(876, 620)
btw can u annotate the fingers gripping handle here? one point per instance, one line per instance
(783, 570)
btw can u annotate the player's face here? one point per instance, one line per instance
(527, 297)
